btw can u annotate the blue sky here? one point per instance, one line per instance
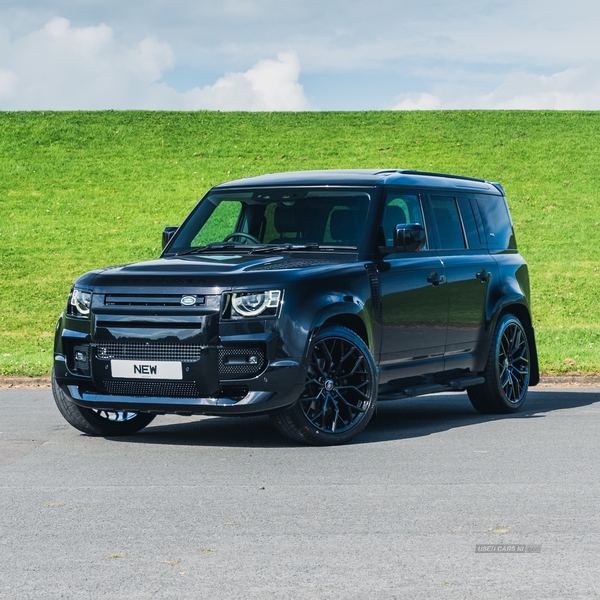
(291, 55)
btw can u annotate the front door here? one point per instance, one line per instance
(414, 299)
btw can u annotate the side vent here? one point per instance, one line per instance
(375, 289)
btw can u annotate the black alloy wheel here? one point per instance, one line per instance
(507, 371)
(340, 391)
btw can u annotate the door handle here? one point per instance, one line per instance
(483, 276)
(436, 279)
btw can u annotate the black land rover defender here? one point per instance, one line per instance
(308, 296)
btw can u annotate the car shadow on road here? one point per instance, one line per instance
(427, 415)
(402, 419)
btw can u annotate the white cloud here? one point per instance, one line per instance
(8, 84)
(61, 67)
(419, 102)
(571, 89)
(406, 54)
(269, 85)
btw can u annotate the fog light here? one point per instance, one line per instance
(81, 359)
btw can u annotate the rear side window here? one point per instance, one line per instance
(449, 223)
(497, 225)
(471, 222)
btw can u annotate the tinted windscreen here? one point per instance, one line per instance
(274, 217)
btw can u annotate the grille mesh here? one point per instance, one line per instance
(133, 351)
(240, 367)
(234, 362)
(177, 389)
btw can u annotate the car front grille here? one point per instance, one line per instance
(136, 351)
(234, 362)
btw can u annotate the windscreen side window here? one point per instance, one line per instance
(224, 219)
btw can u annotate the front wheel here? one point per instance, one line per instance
(506, 372)
(98, 422)
(340, 392)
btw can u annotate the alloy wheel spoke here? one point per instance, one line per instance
(350, 405)
(337, 386)
(513, 363)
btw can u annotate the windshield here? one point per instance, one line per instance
(259, 220)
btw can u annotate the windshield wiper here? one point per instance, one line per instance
(301, 247)
(266, 249)
(285, 248)
(214, 246)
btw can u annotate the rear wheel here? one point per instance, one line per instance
(506, 372)
(98, 422)
(340, 392)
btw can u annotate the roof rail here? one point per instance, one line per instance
(430, 174)
(497, 185)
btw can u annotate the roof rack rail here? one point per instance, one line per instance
(431, 174)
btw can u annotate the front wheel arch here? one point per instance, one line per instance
(340, 392)
(352, 322)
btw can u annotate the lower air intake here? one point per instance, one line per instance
(152, 389)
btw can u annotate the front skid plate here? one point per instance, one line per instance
(253, 403)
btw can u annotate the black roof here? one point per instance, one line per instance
(369, 177)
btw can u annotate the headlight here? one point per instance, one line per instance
(80, 303)
(252, 304)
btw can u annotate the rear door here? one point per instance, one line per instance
(469, 270)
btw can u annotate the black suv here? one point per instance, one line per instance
(308, 296)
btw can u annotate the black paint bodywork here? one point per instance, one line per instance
(427, 316)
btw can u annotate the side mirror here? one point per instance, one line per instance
(167, 234)
(408, 237)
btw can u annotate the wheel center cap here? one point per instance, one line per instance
(329, 385)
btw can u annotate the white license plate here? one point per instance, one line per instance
(145, 369)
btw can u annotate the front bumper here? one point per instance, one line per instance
(225, 369)
(278, 386)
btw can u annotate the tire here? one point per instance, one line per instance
(506, 372)
(340, 392)
(98, 422)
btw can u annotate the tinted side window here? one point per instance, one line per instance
(496, 222)
(449, 223)
(472, 224)
(399, 210)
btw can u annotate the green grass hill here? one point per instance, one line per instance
(80, 190)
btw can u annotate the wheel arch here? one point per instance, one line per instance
(352, 322)
(351, 315)
(521, 312)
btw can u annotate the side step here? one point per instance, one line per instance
(455, 385)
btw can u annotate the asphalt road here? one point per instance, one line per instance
(225, 508)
